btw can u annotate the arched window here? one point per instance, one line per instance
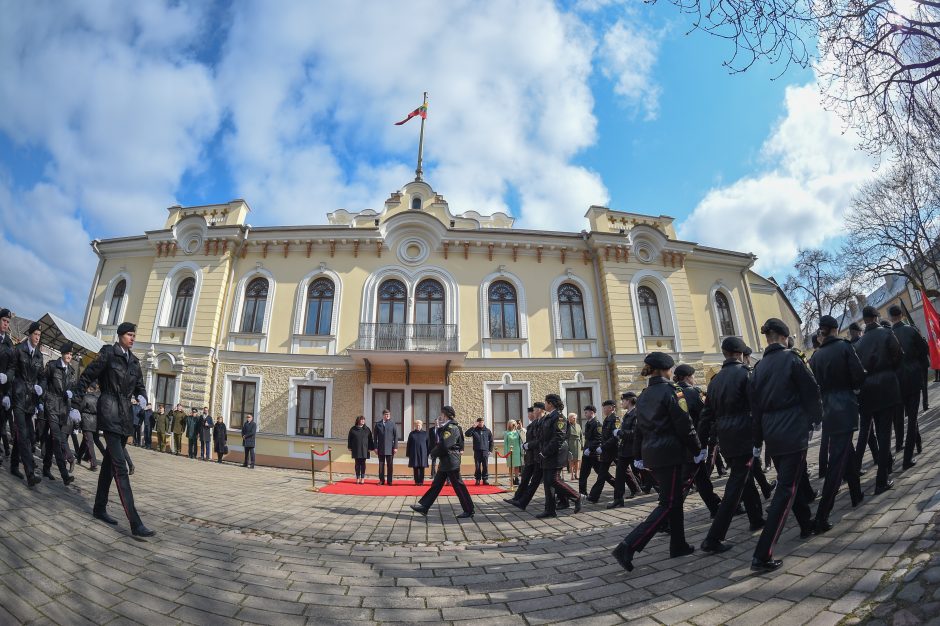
(504, 317)
(256, 297)
(392, 300)
(319, 307)
(116, 298)
(416, 203)
(649, 312)
(725, 319)
(571, 310)
(429, 302)
(182, 303)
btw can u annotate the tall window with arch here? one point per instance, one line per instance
(393, 298)
(256, 298)
(429, 302)
(503, 310)
(650, 319)
(117, 298)
(571, 311)
(320, 295)
(183, 303)
(725, 319)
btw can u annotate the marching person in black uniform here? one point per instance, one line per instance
(532, 448)
(785, 405)
(6, 380)
(840, 377)
(684, 376)
(448, 451)
(56, 406)
(881, 356)
(29, 379)
(726, 417)
(528, 463)
(117, 372)
(911, 378)
(554, 453)
(664, 441)
(592, 443)
(606, 452)
(624, 475)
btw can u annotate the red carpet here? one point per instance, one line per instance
(348, 487)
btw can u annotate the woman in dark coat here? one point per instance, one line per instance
(359, 443)
(417, 451)
(220, 438)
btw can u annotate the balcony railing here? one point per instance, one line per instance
(407, 337)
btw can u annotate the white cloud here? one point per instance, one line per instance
(627, 55)
(799, 201)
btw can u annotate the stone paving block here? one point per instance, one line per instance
(762, 613)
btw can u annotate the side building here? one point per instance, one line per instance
(412, 308)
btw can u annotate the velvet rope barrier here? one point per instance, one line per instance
(313, 475)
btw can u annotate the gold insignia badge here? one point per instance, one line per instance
(617, 423)
(446, 434)
(561, 423)
(683, 404)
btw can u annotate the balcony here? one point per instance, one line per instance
(416, 344)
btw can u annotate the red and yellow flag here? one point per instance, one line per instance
(421, 111)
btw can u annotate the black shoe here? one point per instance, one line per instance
(104, 517)
(757, 525)
(740, 510)
(809, 531)
(686, 551)
(646, 490)
(823, 526)
(714, 547)
(142, 531)
(770, 489)
(417, 508)
(486, 482)
(561, 506)
(759, 565)
(519, 505)
(465, 515)
(616, 504)
(512, 501)
(130, 472)
(68, 480)
(908, 464)
(592, 500)
(857, 499)
(624, 556)
(48, 474)
(32, 480)
(883, 488)
(16, 472)
(476, 482)
(577, 504)
(545, 514)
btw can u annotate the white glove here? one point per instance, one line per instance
(39, 408)
(75, 416)
(6, 402)
(68, 393)
(701, 455)
(525, 446)
(599, 450)
(756, 453)
(3, 378)
(638, 464)
(37, 389)
(142, 401)
(616, 432)
(587, 452)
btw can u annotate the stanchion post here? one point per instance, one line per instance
(495, 468)
(512, 477)
(329, 460)
(313, 472)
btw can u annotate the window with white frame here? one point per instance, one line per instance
(506, 405)
(182, 303)
(650, 318)
(242, 402)
(571, 311)
(725, 317)
(320, 296)
(256, 298)
(503, 310)
(311, 411)
(117, 298)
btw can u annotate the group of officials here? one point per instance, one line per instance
(28, 388)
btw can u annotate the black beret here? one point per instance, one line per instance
(5, 313)
(448, 411)
(827, 321)
(608, 403)
(747, 351)
(733, 344)
(592, 408)
(529, 410)
(854, 326)
(659, 360)
(869, 312)
(539, 405)
(774, 325)
(67, 347)
(33, 328)
(894, 311)
(126, 327)
(886, 323)
(684, 370)
(627, 395)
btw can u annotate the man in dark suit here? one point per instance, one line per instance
(6, 379)
(249, 430)
(433, 437)
(482, 449)
(386, 445)
(117, 372)
(29, 378)
(911, 378)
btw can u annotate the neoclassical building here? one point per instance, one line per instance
(411, 308)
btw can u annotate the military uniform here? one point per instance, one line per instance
(28, 373)
(590, 460)
(448, 451)
(607, 456)
(624, 474)
(554, 454)
(6, 389)
(700, 477)
(179, 427)
(532, 471)
(911, 378)
(56, 405)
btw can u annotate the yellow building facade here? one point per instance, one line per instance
(411, 308)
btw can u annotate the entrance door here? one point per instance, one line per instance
(394, 401)
(426, 406)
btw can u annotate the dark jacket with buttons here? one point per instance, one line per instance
(840, 377)
(55, 398)
(785, 401)
(726, 412)
(881, 355)
(449, 447)
(554, 440)
(664, 434)
(592, 434)
(608, 439)
(249, 430)
(625, 436)
(118, 377)
(28, 371)
(482, 439)
(7, 366)
(694, 400)
(916, 358)
(532, 434)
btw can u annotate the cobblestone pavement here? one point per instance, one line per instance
(235, 545)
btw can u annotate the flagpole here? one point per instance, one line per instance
(418, 170)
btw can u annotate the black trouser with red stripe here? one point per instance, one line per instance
(841, 465)
(525, 494)
(551, 480)
(23, 438)
(911, 405)
(669, 511)
(460, 490)
(114, 465)
(56, 447)
(602, 467)
(790, 493)
(625, 477)
(740, 486)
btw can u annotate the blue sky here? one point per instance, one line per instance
(114, 111)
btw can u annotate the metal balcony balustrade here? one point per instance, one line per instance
(407, 337)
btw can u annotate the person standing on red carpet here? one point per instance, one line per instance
(448, 452)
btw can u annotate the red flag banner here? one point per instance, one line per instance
(932, 320)
(421, 111)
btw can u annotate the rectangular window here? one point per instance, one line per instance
(243, 403)
(426, 406)
(394, 401)
(311, 411)
(507, 405)
(164, 392)
(576, 398)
